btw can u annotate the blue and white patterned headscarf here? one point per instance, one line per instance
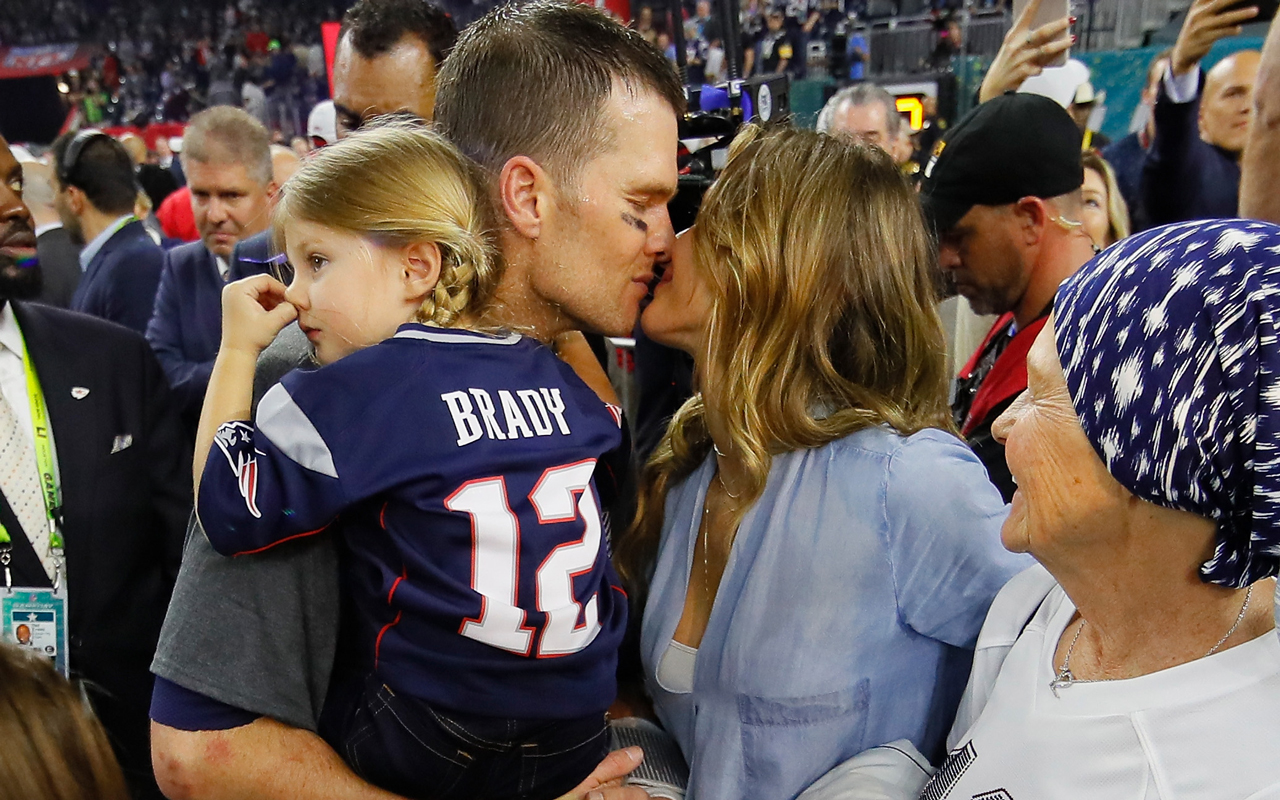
(1169, 343)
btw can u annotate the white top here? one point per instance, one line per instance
(1206, 729)
(13, 378)
(675, 671)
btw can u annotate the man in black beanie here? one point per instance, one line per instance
(1002, 190)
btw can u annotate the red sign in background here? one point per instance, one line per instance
(52, 59)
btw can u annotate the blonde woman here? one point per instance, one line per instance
(815, 549)
(1104, 214)
(444, 453)
(54, 747)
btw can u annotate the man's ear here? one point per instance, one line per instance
(421, 264)
(1032, 216)
(522, 192)
(273, 191)
(76, 200)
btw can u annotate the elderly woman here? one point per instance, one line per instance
(1137, 662)
(815, 548)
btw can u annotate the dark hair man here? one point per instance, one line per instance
(574, 119)
(387, 58)
(1202, 121)
(96, 195)
(867, 113)
(120, 490)
(226, 156)
(1003, 191)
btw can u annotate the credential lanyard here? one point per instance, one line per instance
(48, 480)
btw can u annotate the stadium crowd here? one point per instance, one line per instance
(313, 481)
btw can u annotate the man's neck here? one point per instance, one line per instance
(1059, 259)
(515, 304)
(93, 222)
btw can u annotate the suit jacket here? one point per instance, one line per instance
(60, 262)
(250, 258)
(120, 282)
(186, 324)
(124, 512)
(1183, 176)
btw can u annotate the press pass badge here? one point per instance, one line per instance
(36, 619)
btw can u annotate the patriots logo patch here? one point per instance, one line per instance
(235, 440)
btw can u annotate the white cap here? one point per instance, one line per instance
(175, 144)
(1059, 84)
(322, 123)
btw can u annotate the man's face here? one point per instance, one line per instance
(867, 123)
(980, 254)
(601, 236)
(19, 270)
(228, 203)
(775, 22)
(399, 81)
(1226, 107)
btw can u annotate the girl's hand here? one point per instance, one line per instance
(1025, 52)
(253, 312)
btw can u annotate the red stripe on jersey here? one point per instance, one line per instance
(404, 573)
(377, 645)
(285, 539)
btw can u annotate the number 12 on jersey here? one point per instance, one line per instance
(560, 495)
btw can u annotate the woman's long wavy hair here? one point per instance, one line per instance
(822, 321)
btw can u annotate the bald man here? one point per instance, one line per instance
(59, 256)
(1202, 121)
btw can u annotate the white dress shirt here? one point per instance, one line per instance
(13, 379)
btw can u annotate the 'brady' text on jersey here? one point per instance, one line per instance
(483, 417)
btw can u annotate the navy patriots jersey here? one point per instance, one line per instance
(458, 467)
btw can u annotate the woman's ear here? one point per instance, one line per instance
(421, 263)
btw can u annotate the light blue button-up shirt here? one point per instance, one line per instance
(91, 248)
(854, 592)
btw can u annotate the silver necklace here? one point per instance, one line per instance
(720, 477)
(1065, 678)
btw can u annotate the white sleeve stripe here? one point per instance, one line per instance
(458, 337)
(287, 427)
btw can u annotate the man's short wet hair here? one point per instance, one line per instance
(534, 80)
(376, 26)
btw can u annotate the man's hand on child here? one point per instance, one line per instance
(253, 312)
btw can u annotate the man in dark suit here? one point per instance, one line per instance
(229, 174)
(1202, 121)
(96, 194)
(59, 256)
(123, 472)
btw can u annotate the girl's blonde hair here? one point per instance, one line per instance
(400, 183)
(1118, 222)
(823, 319)
(55, 749)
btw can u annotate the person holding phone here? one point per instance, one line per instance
(1202, 120)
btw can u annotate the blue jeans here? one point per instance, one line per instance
(419, 751)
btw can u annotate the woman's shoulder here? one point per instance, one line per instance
(918, 462)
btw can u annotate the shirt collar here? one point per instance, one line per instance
(91, 248)
(41, 230)
(10, 335)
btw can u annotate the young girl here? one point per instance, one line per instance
(455, 461)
